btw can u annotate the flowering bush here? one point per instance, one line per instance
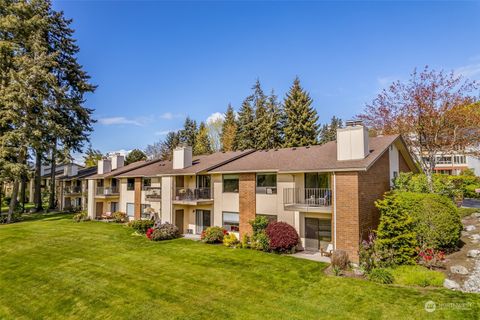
(260, 241)
(120, 217)
(149, 233)
(282, 237)
(165, 231)
(141, 226)
(430, 258)
(81, 216)
(213, 235)
(230, 240)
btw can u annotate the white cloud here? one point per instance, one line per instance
(170, 116)
(215, 116)
(468, 71)
(119, 120)
(165, 132)
(122, 152)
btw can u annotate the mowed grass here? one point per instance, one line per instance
(53, 268)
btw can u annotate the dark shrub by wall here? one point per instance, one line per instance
(283, 237)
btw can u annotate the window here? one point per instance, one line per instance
(146, 183)
(203, 182)
(100, 183)
(270, 217)
(179, 181)
(444, 160)
(267, 183)
(113, 206)
(230, 183)
(316, 180)
(113, 183)
(325, 230)
(130, 209)
(130, 184)
(231, 221)
(460, 159)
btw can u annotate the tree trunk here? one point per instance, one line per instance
(23, 192)
(37, 196)
(53, 165)
(429, 171)
(13, 201)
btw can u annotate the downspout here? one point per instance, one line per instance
(334, 211)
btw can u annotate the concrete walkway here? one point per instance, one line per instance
(311, 255)
(195, 237)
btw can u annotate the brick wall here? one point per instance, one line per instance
(247, 205)
(138, 198)
(347, 217)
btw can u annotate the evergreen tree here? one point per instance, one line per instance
(328, 132)
(188, 134)
(134, 156)
(245, 137)
(91, 157)
(229, 130)
(301, 127)
(202, 141)
(172, 140)
(269, 130)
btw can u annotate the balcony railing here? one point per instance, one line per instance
(153, 193)
(185, 194)
(307, 197)
(107, 191)
(73, 189)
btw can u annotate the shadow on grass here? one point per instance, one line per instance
(48, 216)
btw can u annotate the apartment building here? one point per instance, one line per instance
(454, 164)
(73, 187)
(326, 192)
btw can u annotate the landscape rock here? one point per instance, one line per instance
(472, 284)
(474, 241)
(450, 284)
(476, 214)
(470, 228)
(475, 236)
(458, 269)
(358, 272)
(473, 253)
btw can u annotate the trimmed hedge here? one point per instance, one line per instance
(141, 226)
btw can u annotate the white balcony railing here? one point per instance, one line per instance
(153, 193)
(107, 191)
(186, 194)
(307, 197)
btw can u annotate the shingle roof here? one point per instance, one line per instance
(313, 158)
(123, 169)
(199, 164)
(83, 173)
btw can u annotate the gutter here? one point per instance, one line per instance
(334, 211)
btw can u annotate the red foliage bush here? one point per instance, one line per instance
(282, 236)
(149, 233)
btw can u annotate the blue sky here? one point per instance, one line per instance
(157, 62)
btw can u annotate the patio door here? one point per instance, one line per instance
(312, 241)
(99, 209)
(203, 220)
(179, 220)
(318, 233)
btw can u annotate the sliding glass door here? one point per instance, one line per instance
(203, 220)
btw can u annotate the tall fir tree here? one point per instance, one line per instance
(229, 130)
(269, 130)
(188, 134)
(245, 137)
(259, 101)
(172, 140)
(134, 156)
(202, 141)
(328, 132)
(301, 119)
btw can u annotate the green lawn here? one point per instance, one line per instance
(54, 268)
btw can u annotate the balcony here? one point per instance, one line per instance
(69, 190)
(104, 192)
(193, 196)
(153, 193)
(307, 199)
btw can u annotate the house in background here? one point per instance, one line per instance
(73, 187)
(454, 164)
(326, 192)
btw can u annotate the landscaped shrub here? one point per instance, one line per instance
(81, 216)
(260, 241)
(230, 240)
(166, 231)
(120, 217)
(368, 256)
(259, 224)
(436, 219)
(141, 226)
(282, 237)
(340, 259)
(213, 235)
(431, 258)
(417, 276)
(396, 239)
(380, 275)
(245, 241)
